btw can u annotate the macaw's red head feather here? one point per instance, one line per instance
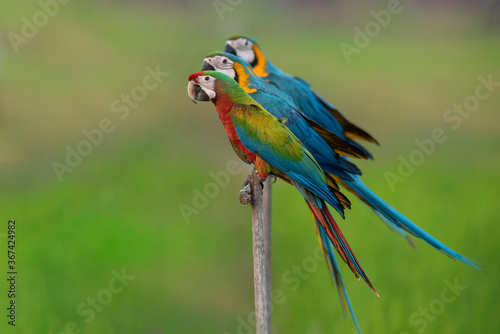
(194, 76)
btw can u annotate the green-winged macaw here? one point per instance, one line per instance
(312, 105)
(262, 139)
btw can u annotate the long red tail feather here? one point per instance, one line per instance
(338, 240)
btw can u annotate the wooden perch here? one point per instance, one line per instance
(251, 193)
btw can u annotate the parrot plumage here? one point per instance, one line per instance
(327, 154)
(260, 138)
(283, 107)
(328, 117)
(310, 102)
(281, 125)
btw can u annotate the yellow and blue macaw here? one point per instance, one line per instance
(309, 101)
(323, 113)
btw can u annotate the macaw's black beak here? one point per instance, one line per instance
(229, 49)
(196, 93)
(207, 67)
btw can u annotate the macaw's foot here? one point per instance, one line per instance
(272, 177)
(246, 182)
(245, 195)
(261, 181)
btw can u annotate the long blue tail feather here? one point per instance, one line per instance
(331, 261)
(400, 223)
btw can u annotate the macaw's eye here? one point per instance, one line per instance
(224, 61)
(246, 43)
(207, 78)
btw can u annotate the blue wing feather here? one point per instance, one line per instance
(305, 171)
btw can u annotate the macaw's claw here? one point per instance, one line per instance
(246, 182)
(245, 194)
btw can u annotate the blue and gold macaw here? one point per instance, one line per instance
(326, 116)
(310, 102)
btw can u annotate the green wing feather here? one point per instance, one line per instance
(265, 135)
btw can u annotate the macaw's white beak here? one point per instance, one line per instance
(196, 92)
(193, 90)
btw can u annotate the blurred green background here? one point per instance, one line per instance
(118, 209)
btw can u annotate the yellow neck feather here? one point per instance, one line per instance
(243, 78)
(260, 68)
